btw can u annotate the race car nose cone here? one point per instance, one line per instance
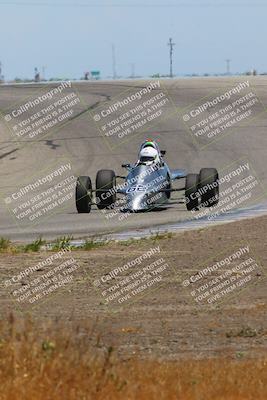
(138, 203)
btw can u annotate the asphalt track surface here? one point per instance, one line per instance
(81, 143)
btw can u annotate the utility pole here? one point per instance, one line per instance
(0, 71)
(132, 70)
(228, 66)
(114, 62)
(43, 72)
(171, 44)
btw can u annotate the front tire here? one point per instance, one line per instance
(83, 194)
(105, 182)
(208, 183)
(191, 191)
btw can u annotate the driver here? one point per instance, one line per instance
(148, 156)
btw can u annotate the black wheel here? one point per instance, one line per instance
(105, 182)
(169, 186)
(83, 194)
(191, 191)
(209, 186)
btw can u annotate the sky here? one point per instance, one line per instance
(70, 37)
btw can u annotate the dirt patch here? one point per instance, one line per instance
(162, 319)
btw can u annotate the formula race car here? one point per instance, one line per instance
(148, 185)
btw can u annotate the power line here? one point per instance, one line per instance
(138, 5)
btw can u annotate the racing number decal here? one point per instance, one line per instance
(138, 188)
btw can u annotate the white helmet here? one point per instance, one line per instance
(148, 156)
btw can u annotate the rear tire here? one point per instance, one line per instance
(191, 191)
(209, 176)
(83, 195)
(169, 186)
(105, 182)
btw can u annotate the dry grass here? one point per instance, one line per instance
(59, 363)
